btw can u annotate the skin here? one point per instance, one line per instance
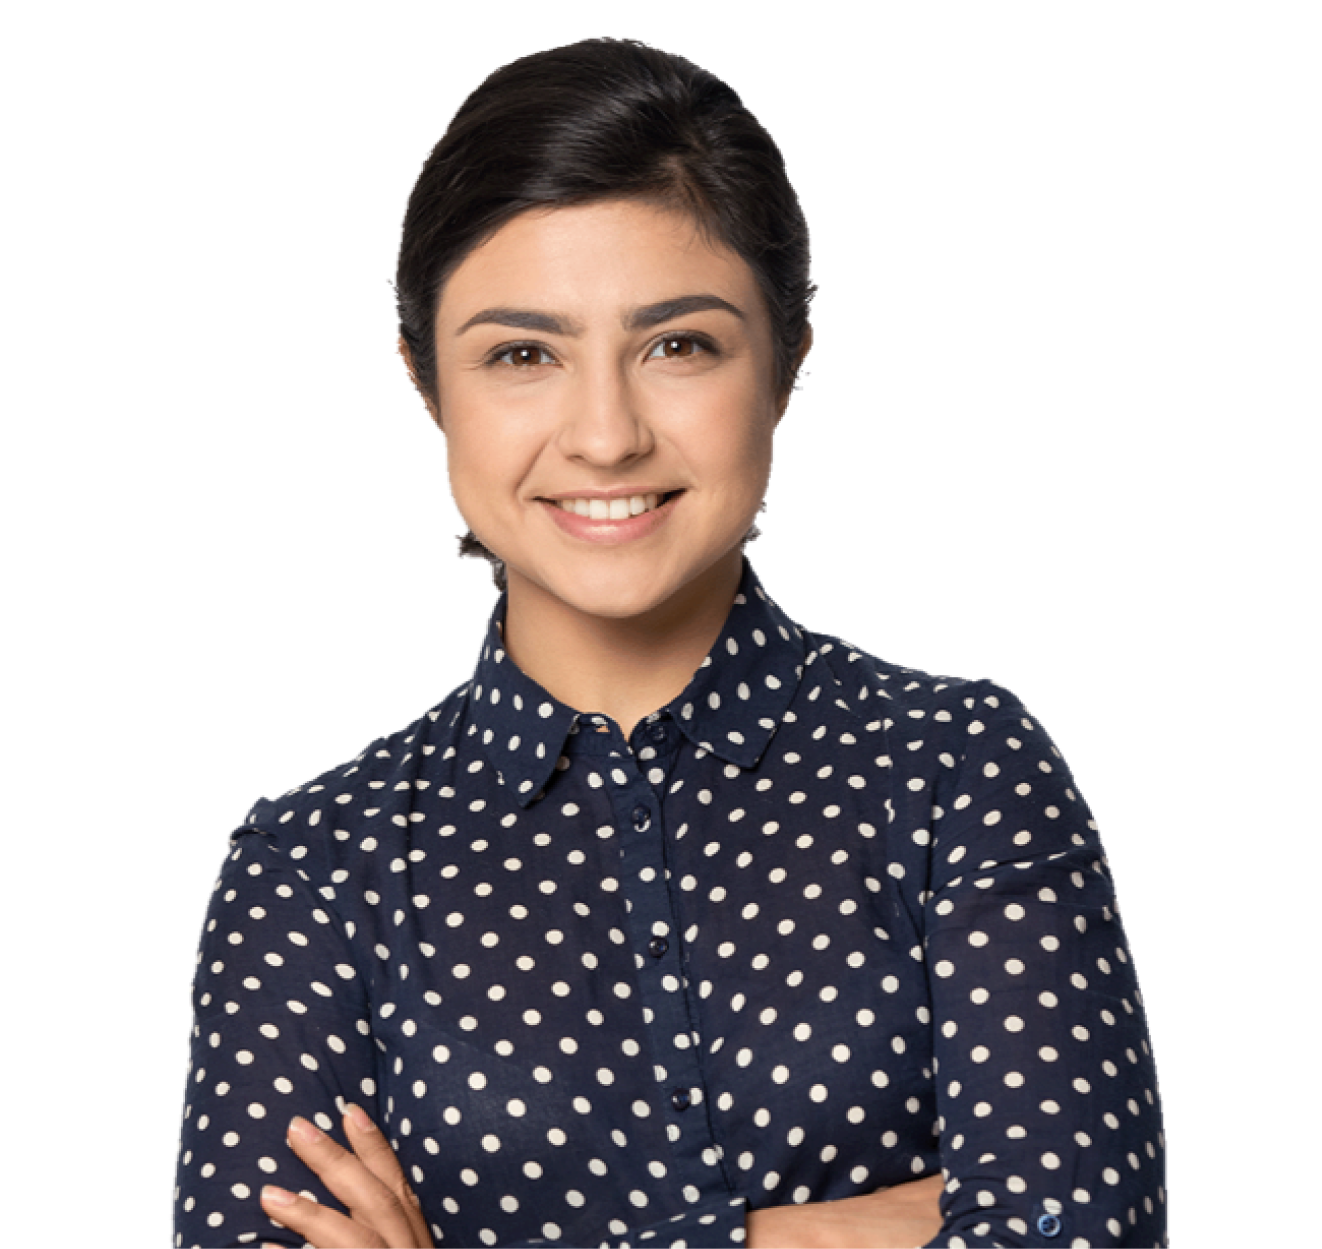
(608, 400)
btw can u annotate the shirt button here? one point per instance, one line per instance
(657, 732)
(658, 946)
(682, 1099)
(1049, 1225)
(642, 817)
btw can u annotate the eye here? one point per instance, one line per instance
(522, 356)
(677, 347)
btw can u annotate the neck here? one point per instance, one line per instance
(623, 668)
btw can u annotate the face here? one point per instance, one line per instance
(606, 384)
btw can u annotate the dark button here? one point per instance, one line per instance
(1049, 1225)
(682, 1099)
(658, 946)
(657, 731)
(642, 817)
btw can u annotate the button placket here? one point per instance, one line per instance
(638, 818)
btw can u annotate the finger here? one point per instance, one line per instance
(371, 1146)
(319, 1225)
(369, 1202)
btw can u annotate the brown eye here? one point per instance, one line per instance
(675, 349)
(523, 357)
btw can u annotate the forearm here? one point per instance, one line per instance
(894, 1218)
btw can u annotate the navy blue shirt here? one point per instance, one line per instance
(820, 925)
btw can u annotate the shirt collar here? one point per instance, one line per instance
(730, 708)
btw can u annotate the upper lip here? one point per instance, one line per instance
(620, 492)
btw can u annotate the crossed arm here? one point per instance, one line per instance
(383, 1212)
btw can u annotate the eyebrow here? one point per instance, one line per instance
(643, 318)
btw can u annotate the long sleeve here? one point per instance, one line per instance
(1047, 1095)
(281, 1028)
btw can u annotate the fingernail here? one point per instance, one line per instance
(359, 1118)
(306, 1132)
(277, 1196)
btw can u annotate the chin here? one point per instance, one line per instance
(612, 597)
(623, 590)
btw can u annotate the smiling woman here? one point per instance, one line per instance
(598, 120)
(678, 923)
(617, 461)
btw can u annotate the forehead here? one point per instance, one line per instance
(599, 258)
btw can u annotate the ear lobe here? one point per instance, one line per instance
(402, 352)
(802, 354)
(801, 358)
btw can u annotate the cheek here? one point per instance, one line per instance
(489, 460)
(481, 440)
(733, 439)
(483, 466)
(722, 416)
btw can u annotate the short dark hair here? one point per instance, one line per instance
(597, 120)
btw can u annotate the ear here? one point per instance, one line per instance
(405, 357)
(807, 345)
(800, 357)
(406, 360)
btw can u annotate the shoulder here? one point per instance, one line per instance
(876, 689)
(366, 786)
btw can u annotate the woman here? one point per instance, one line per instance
(677, 923)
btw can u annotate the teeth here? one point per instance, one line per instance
(611, 509)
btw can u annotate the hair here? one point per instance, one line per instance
(598, 120)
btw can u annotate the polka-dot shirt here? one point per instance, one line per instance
(820, 925)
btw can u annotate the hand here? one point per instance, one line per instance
(891, 1218)
(383, 1212)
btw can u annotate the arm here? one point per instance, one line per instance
(1049, 1114)
(281, 1029)
(384, 1212)
(892, 1218)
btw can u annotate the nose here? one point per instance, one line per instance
(603, 421)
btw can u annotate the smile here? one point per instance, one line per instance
(612, 509)
(616, 521)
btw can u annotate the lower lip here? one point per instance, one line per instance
(612, 532)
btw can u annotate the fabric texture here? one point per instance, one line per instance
(820, 925)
